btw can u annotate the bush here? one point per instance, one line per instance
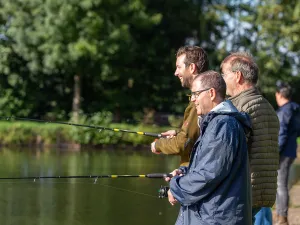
(34, 133)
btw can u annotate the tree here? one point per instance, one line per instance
(109, 54)
(270, 30)
(71, 38)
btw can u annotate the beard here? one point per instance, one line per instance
(187, 82)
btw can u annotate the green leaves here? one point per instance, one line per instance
(124, 51)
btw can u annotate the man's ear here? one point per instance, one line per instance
(212, 94)
(192, 68)
(239, 77)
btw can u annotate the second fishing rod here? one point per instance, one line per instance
(83, 125)
(162, 191)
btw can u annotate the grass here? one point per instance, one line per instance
(33, 133)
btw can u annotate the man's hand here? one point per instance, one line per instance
(153, 148)
(169, 134)
(171, 198)
(174, 173)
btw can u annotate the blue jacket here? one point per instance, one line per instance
(289, 128)
(215, 188)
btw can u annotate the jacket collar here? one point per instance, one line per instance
(248, 92)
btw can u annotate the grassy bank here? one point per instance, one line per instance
(45, 134)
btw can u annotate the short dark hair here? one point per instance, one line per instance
(212, 79)
(196, 55)
(284, 89)
(243, 62)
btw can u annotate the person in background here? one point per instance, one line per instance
(240, 73)
(190, 61)
(289, 116)
(215, 187)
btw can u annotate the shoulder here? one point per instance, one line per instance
(257, 103)
(222, 122)
(190, 109)
(289, 108)
(251, 100)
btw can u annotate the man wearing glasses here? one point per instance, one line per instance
(190, 61)
(215, 187)
(240, 73)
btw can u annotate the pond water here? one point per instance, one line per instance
(109, 201)
(81, 201)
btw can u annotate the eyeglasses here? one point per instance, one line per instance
(196, 94)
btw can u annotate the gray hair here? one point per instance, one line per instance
(243, 62)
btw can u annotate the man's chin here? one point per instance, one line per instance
(184, 85)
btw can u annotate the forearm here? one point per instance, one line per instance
(172, 145)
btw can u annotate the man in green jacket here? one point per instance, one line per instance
(190, 61)
(240, 73)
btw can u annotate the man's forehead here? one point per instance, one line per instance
(226, 66)
(196, 86)
(180, 59)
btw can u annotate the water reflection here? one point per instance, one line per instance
(80, 201)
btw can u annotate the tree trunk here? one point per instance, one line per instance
(76, 99)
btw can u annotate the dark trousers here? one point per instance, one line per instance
(282, 197)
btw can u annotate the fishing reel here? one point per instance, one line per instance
(163, 191)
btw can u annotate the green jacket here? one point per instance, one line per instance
(183, 142)
(262, 144)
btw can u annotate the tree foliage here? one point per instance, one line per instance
(270, 30)
(124, 51)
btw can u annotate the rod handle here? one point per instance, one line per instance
(158, 175)
(152, 134)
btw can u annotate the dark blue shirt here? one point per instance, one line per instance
(289, 126)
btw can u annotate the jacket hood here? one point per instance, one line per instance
(227, 108)
(295, 107)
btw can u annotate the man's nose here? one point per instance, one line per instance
(176, 73)
(193, 99)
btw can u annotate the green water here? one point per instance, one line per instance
(80, 201)
(109, 201)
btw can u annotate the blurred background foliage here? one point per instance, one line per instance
(61, 58)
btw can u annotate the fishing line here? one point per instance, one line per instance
(85, 183)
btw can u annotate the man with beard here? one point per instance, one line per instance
(190, 61)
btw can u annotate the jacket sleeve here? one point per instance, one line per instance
(217, 154)
(284, 117)
(187, 135)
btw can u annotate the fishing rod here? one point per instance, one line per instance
(162, 191)
(150, 175)
(83, 125)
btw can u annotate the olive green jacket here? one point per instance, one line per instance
(262, 145)
(183, 142)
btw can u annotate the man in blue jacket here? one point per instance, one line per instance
(289, 116)
(215, 187)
